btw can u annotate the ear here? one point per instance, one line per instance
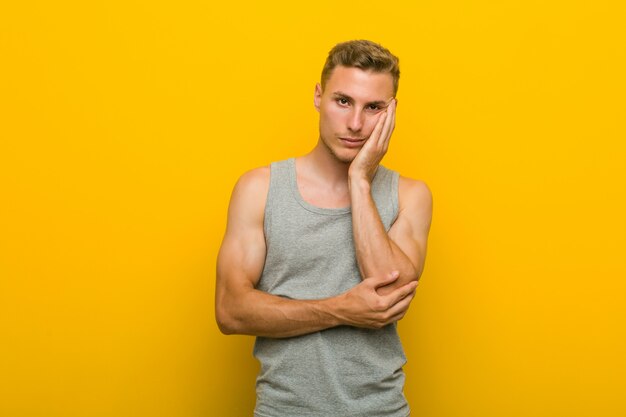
(317, 98)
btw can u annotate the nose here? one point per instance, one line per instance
(355, 120)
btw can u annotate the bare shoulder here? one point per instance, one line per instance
(250, 192)
(254, 180)
(414, 194)
(415, 210)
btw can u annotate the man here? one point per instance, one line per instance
(322, 253)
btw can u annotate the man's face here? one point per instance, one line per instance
(349, 108)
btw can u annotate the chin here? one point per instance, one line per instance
(345, 157)
(341, 153)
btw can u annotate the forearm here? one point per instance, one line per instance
(376, 253)
(257, 313)
(253, 312)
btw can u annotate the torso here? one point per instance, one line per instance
(310, 255)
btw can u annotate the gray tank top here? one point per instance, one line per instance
(339, 372)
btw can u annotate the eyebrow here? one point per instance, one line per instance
(377, 102)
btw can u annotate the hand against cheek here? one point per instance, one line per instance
(366, 161)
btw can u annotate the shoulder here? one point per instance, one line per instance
(411, 189)
(414, 196)
(252, 180)
(250, 191)
(415, 209)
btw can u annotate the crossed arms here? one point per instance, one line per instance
(390, 264)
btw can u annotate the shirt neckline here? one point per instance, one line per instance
(306, 205)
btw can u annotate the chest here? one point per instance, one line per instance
(323, 196)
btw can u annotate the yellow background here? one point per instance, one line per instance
(124, 126)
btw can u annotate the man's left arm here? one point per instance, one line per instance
(403, 249)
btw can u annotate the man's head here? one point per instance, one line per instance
(359, 80)
(363, 54)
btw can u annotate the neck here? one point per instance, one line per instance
(322, 164)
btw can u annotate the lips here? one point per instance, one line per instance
(352, 142)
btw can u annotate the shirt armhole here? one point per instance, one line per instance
(395, 191)
(267, 214)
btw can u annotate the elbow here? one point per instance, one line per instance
(225, 321)
(414, 271)
(225, 327)
(411, 274)
(418, 273)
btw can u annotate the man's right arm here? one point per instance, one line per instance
(242, 309)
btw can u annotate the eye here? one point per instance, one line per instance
(373, 107)
(342, 101)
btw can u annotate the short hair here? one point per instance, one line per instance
(365, 55)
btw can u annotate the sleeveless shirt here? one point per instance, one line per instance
(343, 371)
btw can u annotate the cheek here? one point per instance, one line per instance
(332, 116)
(334, 112)
(370, 123)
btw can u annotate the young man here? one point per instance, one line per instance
(323, 252)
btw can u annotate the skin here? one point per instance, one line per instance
(354, 104)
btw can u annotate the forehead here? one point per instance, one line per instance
(359, 84)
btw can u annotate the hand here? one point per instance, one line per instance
(362, 306)
(366, 161)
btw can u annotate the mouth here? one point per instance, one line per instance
(352, 142)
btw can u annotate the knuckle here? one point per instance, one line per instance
(386, 317)
(374, 325)
(380, 305)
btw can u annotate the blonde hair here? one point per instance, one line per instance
(365, 55)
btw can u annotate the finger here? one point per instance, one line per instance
(385, 134)
(400, 293)
(393, 126)
(374, 137)
(380, 126)
(385, 130)
(397, 317)
(401, 306)
(381, 281)
(371, 142)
